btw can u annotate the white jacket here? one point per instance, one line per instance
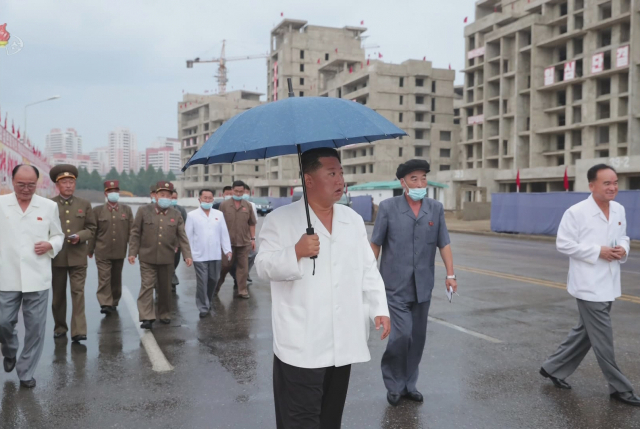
(207, 234)
(21, 270)
(583, 231)
(320, 320)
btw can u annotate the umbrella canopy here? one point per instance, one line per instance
(276, 129)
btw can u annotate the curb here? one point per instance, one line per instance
(635, 244)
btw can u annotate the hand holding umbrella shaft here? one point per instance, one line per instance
(308, 246)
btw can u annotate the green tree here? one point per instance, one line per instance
(95, 181)
(113, 174)
(170, 176)
(84, 179)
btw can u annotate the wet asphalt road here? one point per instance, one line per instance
(222, 375)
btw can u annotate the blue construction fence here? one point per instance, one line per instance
(541, 213)
(363, 205)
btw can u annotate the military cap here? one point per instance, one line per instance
(164, 186)
(412, 165)
(111, 184)
(63, 171)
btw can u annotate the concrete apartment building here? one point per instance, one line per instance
(198, 117)
(163, 154)
(123, 150)
(549, 85)
(66, 142)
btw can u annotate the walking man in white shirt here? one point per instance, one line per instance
(321, 307)
(207, 233)
(30, 237)
(593, 233)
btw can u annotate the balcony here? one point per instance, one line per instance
(357, 160)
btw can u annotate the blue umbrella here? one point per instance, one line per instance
(291, 126)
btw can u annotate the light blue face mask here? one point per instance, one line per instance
(113, 197)
(164, 203)
(416, 194)
(227, 197)
(245, 197)
(153, 200)
(206, 206)
(237, 198)
(174, 202)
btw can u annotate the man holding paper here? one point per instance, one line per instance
(409, 228)
(593, 233)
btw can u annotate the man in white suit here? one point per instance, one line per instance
(593, 233)
(321, 307)
(30, 237)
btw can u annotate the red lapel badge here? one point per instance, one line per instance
(173, 220)
(216, 218)
(619, 223)
(79, 210)
(430, 223)
(244, 209)
(40, 219)
(124, 215)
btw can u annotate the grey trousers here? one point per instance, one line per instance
(34, 312)
(207, 276)
(408, 335)
(593, 330)
(252, 260)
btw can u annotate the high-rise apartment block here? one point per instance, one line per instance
(550, 85)
(123, 150)
(66, 142)
(164, 154)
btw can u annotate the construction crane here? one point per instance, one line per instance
(222, 67)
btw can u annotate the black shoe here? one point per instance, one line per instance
(78, 338)
(249, 280)
(29, 384)
(560, 384)
(414, 396)
(146, 324)
(57, 335)
(393, 398)
(106, 309)
(165, 321)
(9, 364)
(204, 314)
(628, 398)
(114, 308)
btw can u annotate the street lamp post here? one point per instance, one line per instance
(24, 138)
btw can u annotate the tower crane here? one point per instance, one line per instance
(222, 67)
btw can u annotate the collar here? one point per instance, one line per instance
(162, 212)
(406, 208)
(595, 209)
(14, 201)
(111, 208)
(65, 201)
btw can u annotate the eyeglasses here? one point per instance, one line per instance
(29, 186)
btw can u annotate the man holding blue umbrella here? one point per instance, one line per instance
(320, 307)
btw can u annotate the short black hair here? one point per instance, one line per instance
(592, 174)
(17, 167)
(238, 183)
(311, 158)
(227, 188)
(247, 187)
(174, 192)
(206, 190)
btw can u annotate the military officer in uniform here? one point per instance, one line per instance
(79, 227)
(115, 221)
(152, 193)
(157, 230)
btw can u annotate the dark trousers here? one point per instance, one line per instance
(408, 335)
(241, 260)
(309, 398)
(176, 261)
(77, 277)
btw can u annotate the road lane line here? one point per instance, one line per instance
(159, 362)
(540, 282)
(466, 331)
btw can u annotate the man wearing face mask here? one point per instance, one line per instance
(207, 232)
(176, 261)
(409, 228)
(115, 221)
(241, 223)
(79, 226)
(152, 194)
(157, 231)
(227, 191)
(253, 253)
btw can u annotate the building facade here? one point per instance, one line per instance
(123, 150)
(66, 142)
(100, 158)
(198, 117)
(550, 86)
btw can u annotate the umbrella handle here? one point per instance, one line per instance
(310, 231)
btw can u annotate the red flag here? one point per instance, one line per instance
(566, 180)
(465, 19)
(281, 13)
(18, 132)
(518, 181)
(13, 130)
(336, 50)
(379, 55)
(367, 61)
(5, 120)
(449, 66)
(292, 192)
(350, 69)
(318, 60)
(424, 58)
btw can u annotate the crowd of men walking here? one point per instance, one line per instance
(325, 284)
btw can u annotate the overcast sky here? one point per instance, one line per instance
(122, 63)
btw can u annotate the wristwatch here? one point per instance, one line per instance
(253, 239)
(453, 277)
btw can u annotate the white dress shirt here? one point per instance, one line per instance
(207, 234)
(320, 320)
(21, 270)
(583, 230)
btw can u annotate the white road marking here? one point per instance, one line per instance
(466, 331)
(159, 362)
